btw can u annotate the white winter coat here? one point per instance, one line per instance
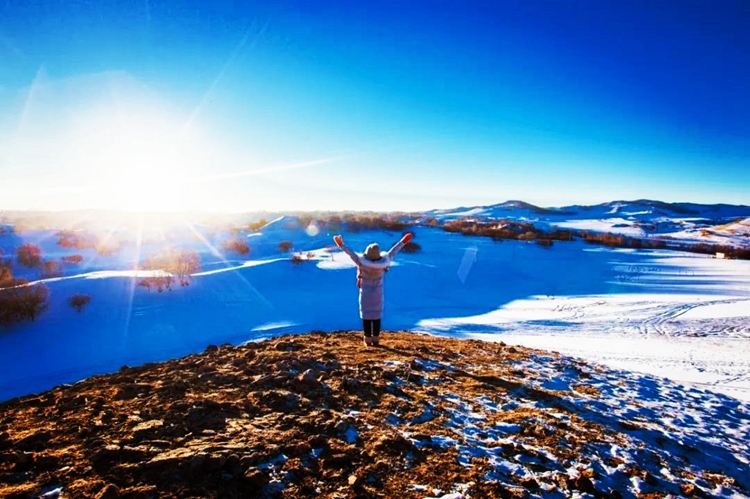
(371, 286)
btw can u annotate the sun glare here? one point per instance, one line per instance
(135, 161)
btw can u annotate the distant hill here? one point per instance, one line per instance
(644, 209)
(660, 208)
(522, 205)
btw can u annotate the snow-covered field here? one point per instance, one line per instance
(678, 315)
(681, 316)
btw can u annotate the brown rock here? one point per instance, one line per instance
(197, 461)
(584, 484)
(109, 491)
(232, 460)
(298, 449)
(509, 448)
(589, 473)
(180, 385)
(45, 462)
(160, 464)
(650, 479)
(131, 391)
(337, 461)
(688, 489)
(317, 441)
(8, 457)
(308, 378)
(140, 492)
(288, 346)
(530, 483)
(24, 461)
(256, 478)
(214, 462)
(36, 441)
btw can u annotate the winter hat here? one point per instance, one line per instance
(372, 252)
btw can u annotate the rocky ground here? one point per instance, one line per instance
(320, 415)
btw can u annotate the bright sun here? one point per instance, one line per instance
(136, 160)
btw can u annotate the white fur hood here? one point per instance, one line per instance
(383, 263)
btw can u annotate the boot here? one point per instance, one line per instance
(368, 341)
(375, 341)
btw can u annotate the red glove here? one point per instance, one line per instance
(339, 241)
(407, 238)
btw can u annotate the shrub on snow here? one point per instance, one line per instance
(20, 301)
(237, 244)
(29, 255)
(78, 301)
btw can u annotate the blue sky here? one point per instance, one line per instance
(372, 105)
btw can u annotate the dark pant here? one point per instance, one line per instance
(371, 327)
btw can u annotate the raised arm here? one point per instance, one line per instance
(399, 245)
(340, 243)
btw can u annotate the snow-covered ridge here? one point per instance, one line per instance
(644, 209)
(720, 224)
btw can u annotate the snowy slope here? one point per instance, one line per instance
(680, 315)
(684, 222)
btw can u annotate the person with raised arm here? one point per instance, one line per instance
(371, 267)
